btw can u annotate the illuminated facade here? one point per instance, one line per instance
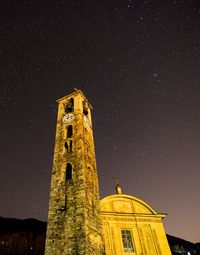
(131, 226)
(74, 223)
(78, 222)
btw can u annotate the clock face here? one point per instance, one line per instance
(68, 118)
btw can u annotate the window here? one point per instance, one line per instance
(69, 172)
(69, 106)
(85, 108)
(68, 146)
(127, 240)
(69, 131)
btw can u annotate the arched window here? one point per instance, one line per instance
(69, 131)
(69, 106)
(69, 171)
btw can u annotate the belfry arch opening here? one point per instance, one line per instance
(69, 107)
(85, 108)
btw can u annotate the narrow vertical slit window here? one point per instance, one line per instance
(69, 131)
(69, 106)
(66, 147)
(70, 146)
(69, 171)
(127, 240)
(93, 207)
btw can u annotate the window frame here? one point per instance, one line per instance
(127, 241)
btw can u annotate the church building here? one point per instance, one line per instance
(79, 223)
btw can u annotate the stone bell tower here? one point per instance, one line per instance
(74, 224)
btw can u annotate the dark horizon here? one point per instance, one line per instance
(35, 232)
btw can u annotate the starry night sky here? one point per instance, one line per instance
(138, 63)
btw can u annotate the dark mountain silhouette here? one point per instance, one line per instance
(27, 237)
(181, 246)
(22, 237)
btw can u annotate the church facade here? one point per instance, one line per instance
(78, 222)
(131, 226)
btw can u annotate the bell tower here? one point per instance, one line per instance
(74, 225)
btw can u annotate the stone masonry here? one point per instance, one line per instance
(74, 223)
